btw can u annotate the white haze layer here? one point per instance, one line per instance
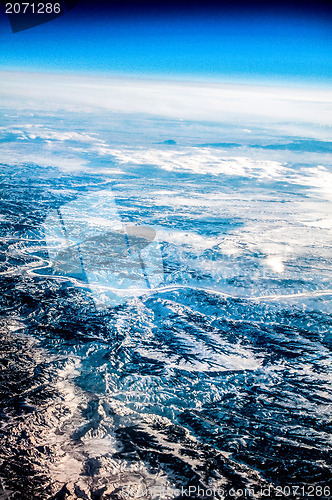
(237, 103)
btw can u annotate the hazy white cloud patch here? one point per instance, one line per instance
(199, 161)
(216, 162)
(63, 163)
(319, 179)
(36, 131)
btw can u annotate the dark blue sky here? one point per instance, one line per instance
(291, 45)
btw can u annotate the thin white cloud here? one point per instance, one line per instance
(177, 100)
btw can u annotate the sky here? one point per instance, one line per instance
(202, 43)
